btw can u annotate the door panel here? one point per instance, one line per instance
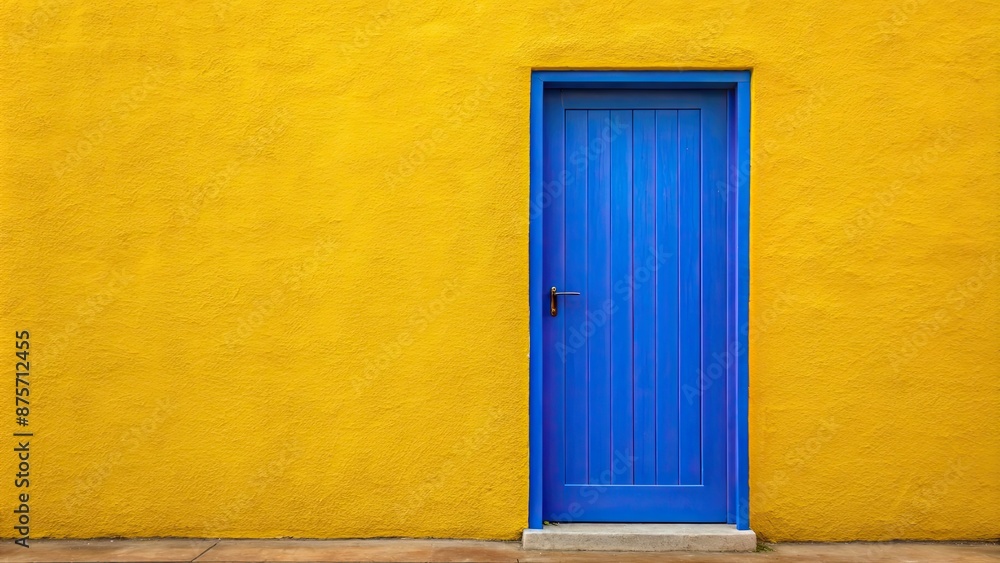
(633, 432)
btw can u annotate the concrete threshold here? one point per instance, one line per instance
(639, 537)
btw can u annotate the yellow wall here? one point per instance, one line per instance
(273, 258)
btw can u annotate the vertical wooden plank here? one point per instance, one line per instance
(599, 293)
(666, 299)
(572, 309)
(714, 359)
(644, 295)
(621, 310)
(552, 209)
(690, 420)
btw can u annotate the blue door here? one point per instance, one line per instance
(635, 223)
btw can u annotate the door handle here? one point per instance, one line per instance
(553, 302)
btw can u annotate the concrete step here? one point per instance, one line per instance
(639, 537)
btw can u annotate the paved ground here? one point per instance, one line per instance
(456, 550)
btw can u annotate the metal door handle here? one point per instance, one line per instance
(553, 302)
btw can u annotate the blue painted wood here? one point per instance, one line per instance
(643, 79)
(690, 294)
(731, 307)
(598, 415)
(714, 395)
(554, 268)
(637, 503)
(622, 357)
(598, 295)
(643, 291)
(665, 314)
(740, 261)
(605, 99)
(602, 503)
(574, 308)
(535, 296)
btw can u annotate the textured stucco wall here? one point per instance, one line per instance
(273, 258)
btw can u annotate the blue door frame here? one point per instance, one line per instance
(737, 84)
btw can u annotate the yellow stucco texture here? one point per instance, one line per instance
(273, 258)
